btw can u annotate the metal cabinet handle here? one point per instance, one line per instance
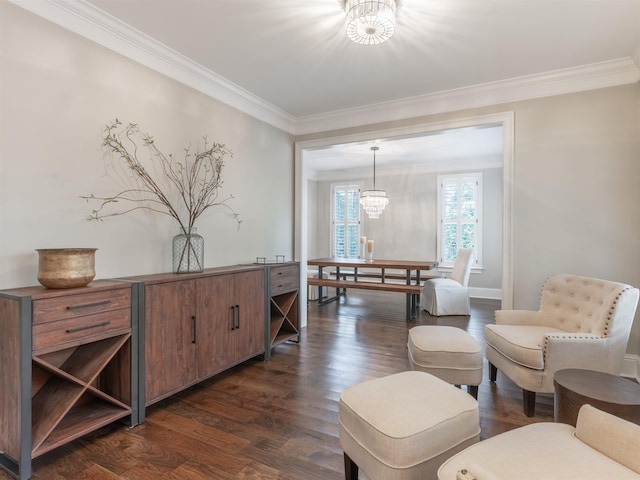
(193, 321)
(233, 317)
(88, 305)
(87, 327)
(237, 316)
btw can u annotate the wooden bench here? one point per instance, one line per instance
(412, 291)
(352, 272)
(364, 285)
(387, 276)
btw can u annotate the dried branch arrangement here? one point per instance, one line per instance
(183, 189)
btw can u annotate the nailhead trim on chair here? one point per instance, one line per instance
(605, 328)
(576, 305)
(613, 307)
(547, 337)
(588, 298)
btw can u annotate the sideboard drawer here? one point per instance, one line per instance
(284, 279)
(72, 306)
(80, 330)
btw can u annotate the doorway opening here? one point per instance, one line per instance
(307, 152)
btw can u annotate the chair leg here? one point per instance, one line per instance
(529, 399)
(473, 391)
(493, 372)
(350, 468)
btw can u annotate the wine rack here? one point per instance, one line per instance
(70, 367)
(283, 311)
(69, 395)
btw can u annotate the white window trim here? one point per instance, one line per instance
(333, 186)
(477, 266)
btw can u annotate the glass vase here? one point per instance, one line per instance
(188, 252)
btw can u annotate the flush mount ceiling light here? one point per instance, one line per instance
(374, 201)
(370, 22)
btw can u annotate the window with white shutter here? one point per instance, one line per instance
(345, 220)
(459, 216)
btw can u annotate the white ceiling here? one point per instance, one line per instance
(294, 54)
(292, 60)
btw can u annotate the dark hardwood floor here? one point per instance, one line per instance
(278, 419)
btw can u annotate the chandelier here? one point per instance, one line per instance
(370, 22)
(374, 201)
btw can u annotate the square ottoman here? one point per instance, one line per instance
(404, 426)
(449, 353)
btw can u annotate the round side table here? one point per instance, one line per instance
(610, 393)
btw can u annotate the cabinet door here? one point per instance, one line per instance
(248, 298)
(214, 325)
(169, 338)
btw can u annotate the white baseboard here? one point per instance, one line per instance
(631, 367)
(489, 293)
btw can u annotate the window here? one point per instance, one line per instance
(459, 214)
(345, 220)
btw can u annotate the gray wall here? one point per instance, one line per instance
(58, 91)
(576, 187)
(407, 229)
(577, 167)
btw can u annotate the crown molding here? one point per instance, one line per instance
(586, 77)
(92, 23)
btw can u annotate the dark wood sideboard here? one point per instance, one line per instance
(75, 360)
(195, 325)
(69, 366)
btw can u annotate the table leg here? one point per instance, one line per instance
(324, 299)
(331, 299)
(320, 288)
(416, 298)
(409, 305)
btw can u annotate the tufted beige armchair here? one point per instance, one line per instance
(582, 323)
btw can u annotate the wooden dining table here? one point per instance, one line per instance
(372, 275)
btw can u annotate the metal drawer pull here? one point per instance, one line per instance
(88, 327)
(88, 305)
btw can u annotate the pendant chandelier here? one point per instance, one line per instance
(370, 22)
(374, 201)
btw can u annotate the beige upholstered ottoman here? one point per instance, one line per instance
(404, 426)
(448, 353)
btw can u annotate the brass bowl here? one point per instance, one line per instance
(66, 267)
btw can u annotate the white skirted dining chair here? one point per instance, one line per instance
(449, 295)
